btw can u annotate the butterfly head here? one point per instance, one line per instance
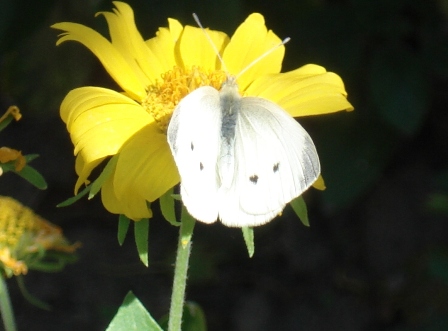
(229, 85)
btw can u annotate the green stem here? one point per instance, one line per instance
(5, 306)
(180, 272)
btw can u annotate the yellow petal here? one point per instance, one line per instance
(101, 120)
(250, 41)
(145, 165)
(195, 49)
(114, 62)
(84, 170)
(308, 90)
(130, 44)
(132, 205)
(163, 44)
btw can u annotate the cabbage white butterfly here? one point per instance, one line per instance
(240, 159)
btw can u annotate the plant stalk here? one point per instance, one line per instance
(180, 272)
(6, 307)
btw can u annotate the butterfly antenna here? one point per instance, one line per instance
(198, 22)
(250, 65)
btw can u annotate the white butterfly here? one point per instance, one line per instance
(240, 159)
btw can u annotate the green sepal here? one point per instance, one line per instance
(167, 207)
(49, 260)
(132, 315)
(72, 200)
(187, 227)
(123, 226)
(299, 207)
(248, 235)
(141, 233)
(176, 197)
(193, 318)
(105, 174)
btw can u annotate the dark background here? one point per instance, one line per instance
(376, 254)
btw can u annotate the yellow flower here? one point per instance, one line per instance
(154, 76)
(8, 154)
(24, 236)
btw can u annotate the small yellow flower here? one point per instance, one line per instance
(9, 154)
(154, 76)
(23, 235)
(13, 111)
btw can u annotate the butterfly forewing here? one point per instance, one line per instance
(194, 139)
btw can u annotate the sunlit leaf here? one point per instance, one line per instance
(132, 315)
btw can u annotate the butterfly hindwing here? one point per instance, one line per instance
(194, 139)
(275, 161)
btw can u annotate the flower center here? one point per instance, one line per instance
(164, 96)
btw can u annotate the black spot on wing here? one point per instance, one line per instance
(275, 167)
(201, 166)
(192, 146)
(253, 179)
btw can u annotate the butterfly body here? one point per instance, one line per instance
(240, 159)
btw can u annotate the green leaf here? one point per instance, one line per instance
(5, 122)
(438, 203)
(107, 171)
(123, 226)
(33, 176)
(299, 207)
(399, 88)
(248, 235)
(167, 207)
(29, 297)
(354, 148)
(141, 233)
(132, 315)
(30, 157)
(187, 227)
(72, 200)
(193, 318)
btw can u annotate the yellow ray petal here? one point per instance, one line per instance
(132, 205)
(114, 63)
(249, 42)
(163, 44)
(195, 49)
(145, 165)
(309, 90)
(128, 41)
(101, 120)
(84, 170)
